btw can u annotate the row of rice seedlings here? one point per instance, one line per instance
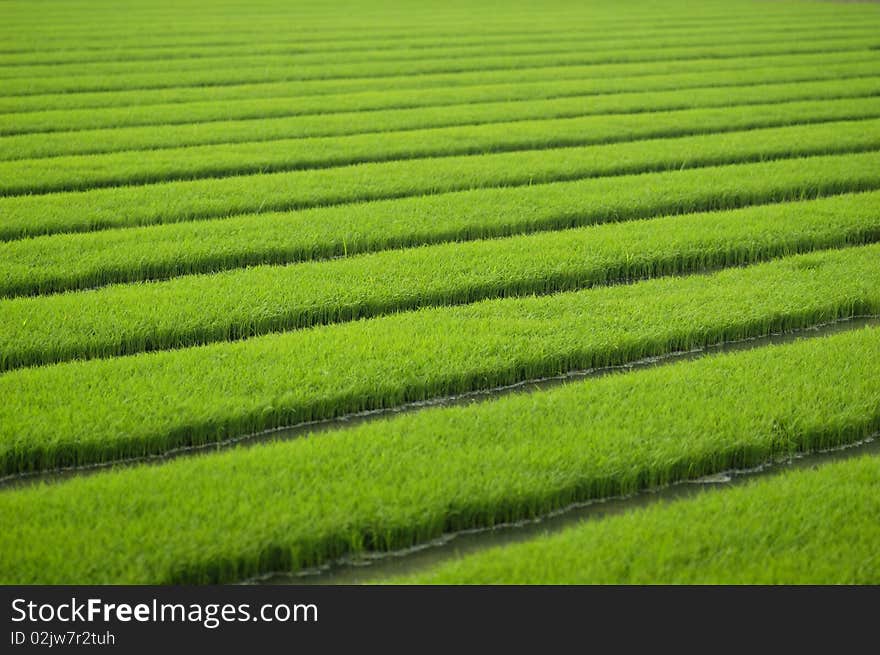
(291, 71)
(202, 32)
(393, 483)
(844, 84)
(605, 76)
(802, 527)
(126, 319)
(199, 29)
(281, 71)
(554, 43)
(339, 43)
(38, 130)
(83, 172)
(106, 409)
(75, 261)
(324, 41)
(404, 46)
(408, 182)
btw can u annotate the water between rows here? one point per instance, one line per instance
(374, 567)
(528, 386)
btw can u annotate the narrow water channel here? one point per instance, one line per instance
(350, 420)
(382, 566)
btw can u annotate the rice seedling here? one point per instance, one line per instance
(199, 199)
(553, 44)
(392, 483)
(676, 33)
(805, 527)
(80, 172)
(126, 319)
(403, 42)
(198, 29)
(560, 100)
(319, 71)
(150, 403)
(219, 221)
(71, 261)
(42, 111)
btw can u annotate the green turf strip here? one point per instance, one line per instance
(558, 43)
(74, 173)
(336, 124)
(200, 309)
(71, 261)
(806, 527)
(141, 104)
(394, 483)
(82, 412)
(280, 72)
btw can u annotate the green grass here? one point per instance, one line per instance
(557, 100)
(80, 172)
(393, 483)
(200, 199)
(71, 261)
(44, 111)
(805, 527)
(126, 319)
(288, 71)
(150, 403)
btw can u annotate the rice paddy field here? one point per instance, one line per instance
(288, 287)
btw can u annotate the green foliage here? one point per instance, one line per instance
(341, 52)
(151, 403)
(71, 261)
(806, 527)
(60, 111)
(281, 118)
(125, 319)
(200, 199)
(284, 70)
(80, 172)
(397, 482)
(219, 219)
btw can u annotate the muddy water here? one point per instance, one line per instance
(381, 566)
(462, 399)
